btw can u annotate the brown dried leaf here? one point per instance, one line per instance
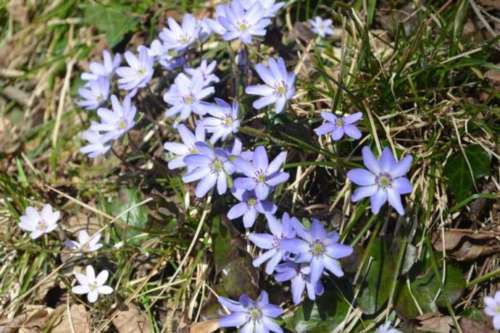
(131, 320)
(207, 326)
(472, 326)
(80, 321)
(465, 245)
(33, 320)
(434, 323)
(493, 75)
(453, 237)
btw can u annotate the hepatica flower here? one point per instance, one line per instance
(383, 180)
(91, 284)
(387, 328)
(223, 121)
(38, 223)
(271, 243)
(300, 277)
(139, 71)
(168, 58)
(338, 126)
(278, 85)
(94, 93)
(181, 37)
(233, 21)
(321, 27)
(96, 146)
(318, 248)
(492, 309)
(209, 166)
(251, 316)
(261, 176)
(249, 207)
(104, 70)
(85, 242)
(270, 7)
(181, 150)
(186, 96)
(206, 71)
(116, 122)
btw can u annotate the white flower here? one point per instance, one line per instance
(94, 93)
(181, 37)
(206, 71)
(104, 70)
(278, 85)
(96, 145)
(492, 309)
(85, 243)
(139, 71)
(387, 328)
(224, 120)
(39, 223)
(91, 285)
(321, 27)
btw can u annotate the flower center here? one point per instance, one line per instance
(189, 99)
(252, 202)
(243, 26)
(92, 286)
(228, 121)
(261, 177)
(99, 97)
(217, 166)
(122, 124)
(184, 39)
(384, 180)
(42, 226)
(317, 248)
(142, 71)
(339, 122)
(255, 314)
(498, 309)
(280, 88)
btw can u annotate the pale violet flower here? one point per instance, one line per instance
(271, 243)
(85, 242)
(139, 71)
(260, 174)
(317, 248)
(251, 316)
(249, 207)
(387, 328)
(168, 58)
(188, 145)
(206, 71)
(104, 70)
(38, 223)
(186, 96)
(300, 277)
(181, 37)
(338, 126)
(383, 180)
(94, 93)
(116, 122)
(233, 21)
(492, 309)
(223, 121)
(96, 146)
(321, 27)
(209, 166)
(91, 284)
(278, 87)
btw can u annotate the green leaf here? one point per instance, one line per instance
(460, 181)
(377, 275)
(112, 20)
(135, 220)
(427, 291)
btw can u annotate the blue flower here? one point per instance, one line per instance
(139, 71)
(116, 122)
(300, 277)
(261, 175)
(96, 146)
(321, 27)
(317, 248)
(251, 316)
(383, 180)
(186, 96)
(249, 207)
(168, 58)
(206, 71)
(181, 37)
(209, 166)
(104, 70)
(270, 7)
(271, 243)
(188, 145)
(338, 126)
(224, 120)
(278, 85)
(94, 93)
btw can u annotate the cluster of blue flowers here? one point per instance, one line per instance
(291, 251)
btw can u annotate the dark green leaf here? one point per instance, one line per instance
(112, 20)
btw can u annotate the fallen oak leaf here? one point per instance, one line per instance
(77, 321)
(465, 245)
(131, 319)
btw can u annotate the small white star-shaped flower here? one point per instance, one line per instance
(91, 284)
